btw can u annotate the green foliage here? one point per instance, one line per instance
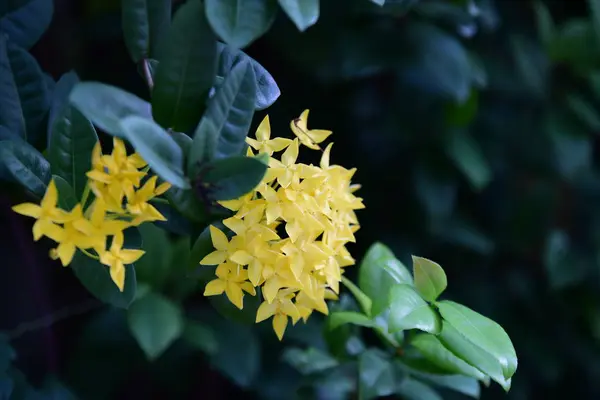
(144, 23)
(23, 164)
(26, 24)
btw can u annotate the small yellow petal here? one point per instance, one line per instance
(215, 287)
(219, 239)
(214, 258)
(280, 322)
(265, 311)
(129, 256)
(235, 295)
(263, 132)
(28, 209)
(241, 257)
(65, 252)
(117, 274)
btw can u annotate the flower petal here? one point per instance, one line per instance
(280, 322)
(129, 256)
(215, 287)
(235, 295)
(265, 311)
(219, 239)
(214, 258)
(28, 209)
(117, 274)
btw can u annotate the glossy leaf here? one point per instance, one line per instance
(11, 114)
(412, 389)
(70, 151)
(144, 22)
(157, 148)
(482, 332)
(267, 91)
(379, 271)
(304, 13)
(60, 98)
(434, 351)
(107, 105)
(26, 25)
(153, 266)
(340, 318)
(308, 361)
(462, 384)
(186, 202)
(66, 195)
(185, 72)
(409, 311)
(375, 375)
(155, 322)
(234, 177)
(365, 301)
(430, 278)
(240, 22)
(23, 164)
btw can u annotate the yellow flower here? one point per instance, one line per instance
(280, 309)
(46, 213)
(221, 245)
(137, 203)
(231, 279)
(309, 138)
(116, 258)
(263, 143)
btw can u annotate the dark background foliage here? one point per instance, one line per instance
(502, 191)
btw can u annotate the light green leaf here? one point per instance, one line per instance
(240, 22)
(107, 105)
(34, 95)
(185, 71)
(434, 351)
(430, 278)
(469, 158)
(482, 332)
(23, 164)
(412, 389)
(26, 25)
(157, 148)
(472, 354)
(267, 90)
(304, 13)
(409, 311)
(462, 384)
(364, 300)
(375, 375)
(308, 361)
(379, 271)
(153, 267)
(156, 323)
(70, 151)
(11, 114)
(200, 337)
(144, 22)
(348, 317)
(234, 177)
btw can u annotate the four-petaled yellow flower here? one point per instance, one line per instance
(310, 138)
(117, 257)
(231, 279)
(263, 142)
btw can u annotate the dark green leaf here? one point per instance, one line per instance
(233, 177)
(267, 90)
(409, 311)
(365, 301)
(430, 278)
(70, 151)
(376, 375)
(107, 105)
(462, 384)
(584, 111)
(23, 164)
(26, 25)
(153, 267)
(186, 71)
(186, 202)
(11, 114)
(201, 337)
(157, 148)
(595, 11)
(224, 307)
(482, 332)
(308, 361)
(545, 24)
(412, 389)
(379, 271)
(96, 278)
(462, 114)
(339, 318)
(469, 159)
(144, 22)
(33, 92)
(155, 322)
(201, 248)
(240, 22)
(304, 13)
(60, 98)
(433, 350)
(66, 195)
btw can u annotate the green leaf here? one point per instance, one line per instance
(462, 114)
(144, 22)
(412, 389)
(545, 24)
(60, 98)
(233, 177)
(107, 105)
(224, 307)
(482, 332)
(185, 72)
(201, 248)
(66, 195)
(26, 25)
(304, 13)
(584, 111)
(469, 159)
(308, 361)
(34, 95)
(200, 337)
(472, 354)
(96, 279)
(185, 201)
(378, 2)
(379, 271)
(462, 384)
(11, 114)
(157, 148)
(365, 301)
(375, 375)
(434, 351)
(240, 22)
(409, 311)
(153, 267)
(430, 278)
(595, 11)
(70, 151)
(339, 318)
(23, 164)
(267, 91)
(156, 323)
(223, 129)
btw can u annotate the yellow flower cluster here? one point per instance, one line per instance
(300, 266)
(120, 202)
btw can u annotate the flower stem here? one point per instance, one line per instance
(90, 255)
(86, 193)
